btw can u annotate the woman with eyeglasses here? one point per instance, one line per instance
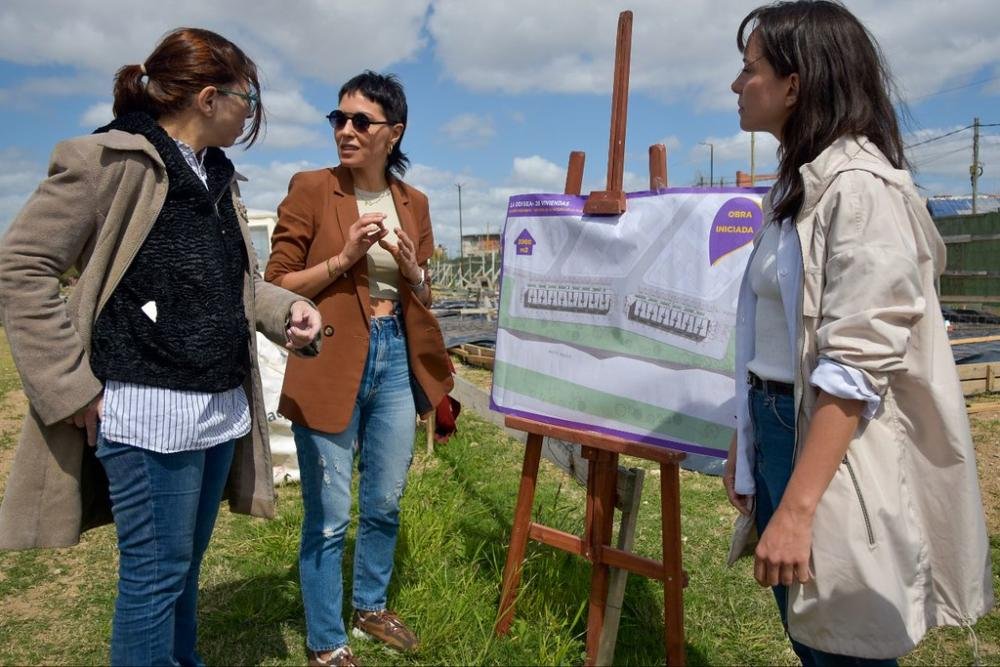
(357, 239)
(146, 403)
(853, 459)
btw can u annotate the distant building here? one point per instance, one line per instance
(480, 244)
(945, 205)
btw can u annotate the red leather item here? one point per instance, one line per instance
(445, 417)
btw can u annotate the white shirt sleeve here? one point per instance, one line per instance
(845, 382)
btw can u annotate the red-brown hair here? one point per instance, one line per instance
(184, 62)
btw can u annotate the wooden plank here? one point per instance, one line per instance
(630, 505)
(574, 173)
(611, 201)
(983, 407)
(479, 350)
(625, 560)
(973, 387)
(980, 339)
(519, 533)
(556, 538)
(673, 583)
(969, 238)
(657, 167)
(972, 371)
(480, 361)
(969, 299)
(599, 440)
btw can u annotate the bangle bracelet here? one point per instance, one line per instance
(419, 283)
(329, 267)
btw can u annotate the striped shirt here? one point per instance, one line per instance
(173, 420)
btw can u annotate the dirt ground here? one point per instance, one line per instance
(986, 435)
(12, 410)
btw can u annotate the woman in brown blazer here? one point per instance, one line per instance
(356, 240)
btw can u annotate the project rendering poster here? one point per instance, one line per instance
(624, 325)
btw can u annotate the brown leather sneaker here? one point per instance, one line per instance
(386, 627)
(341, 657)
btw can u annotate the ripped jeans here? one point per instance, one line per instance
(381, 434)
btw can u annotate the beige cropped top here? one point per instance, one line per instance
(383, 272)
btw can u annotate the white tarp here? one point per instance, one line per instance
(271, 359)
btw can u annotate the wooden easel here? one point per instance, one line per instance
(602, 451)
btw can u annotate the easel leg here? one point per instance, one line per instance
(519, 533)
(604, 472)
(429, 423)
(673, 585)
(619, 578)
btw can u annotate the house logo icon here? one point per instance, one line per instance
(524, 243)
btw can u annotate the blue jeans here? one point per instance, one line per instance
(164, 506)
(381, 432)
(773, 418)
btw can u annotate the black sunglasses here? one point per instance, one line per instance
(338, 120)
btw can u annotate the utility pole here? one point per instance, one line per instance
(711, 161)
(461, 250)
(753, 162)
(976, 170)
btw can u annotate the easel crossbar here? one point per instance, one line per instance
(623, 560)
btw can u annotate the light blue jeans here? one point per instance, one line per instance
(381, 434)
(164, 507)
(773, 418)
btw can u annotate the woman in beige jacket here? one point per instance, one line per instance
(852, 458)
(144, 392)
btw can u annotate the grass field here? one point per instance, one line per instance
(56, 605)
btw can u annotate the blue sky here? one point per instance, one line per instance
(499, 92)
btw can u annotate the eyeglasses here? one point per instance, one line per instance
(252, 99)
(338, 120)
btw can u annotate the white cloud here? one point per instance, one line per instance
(536, 174)
(19, 176)
(321, 40)
(287, 135)
(683, 51)
(469, 130)
(267, 184)
(97, 115)
(290, 106)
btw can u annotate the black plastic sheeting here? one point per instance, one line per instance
(977, 353)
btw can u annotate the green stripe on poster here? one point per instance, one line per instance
(643, 417)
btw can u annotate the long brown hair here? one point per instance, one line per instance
(844, 86)
(185, 61)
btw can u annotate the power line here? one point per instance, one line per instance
(948, 134)
(934, 158)
(951, 90)
(938, 138)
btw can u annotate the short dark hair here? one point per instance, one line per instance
(844, 85)
(386, 91)
(185, 61)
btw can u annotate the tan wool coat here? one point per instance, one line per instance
(899, 538)
(102, 196)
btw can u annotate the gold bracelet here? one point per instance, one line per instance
(329, 269)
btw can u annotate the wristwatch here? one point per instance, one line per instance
(419, 283)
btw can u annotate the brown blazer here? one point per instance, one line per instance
(100, 200)
(312, 226)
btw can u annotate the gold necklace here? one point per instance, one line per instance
(371, 203)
